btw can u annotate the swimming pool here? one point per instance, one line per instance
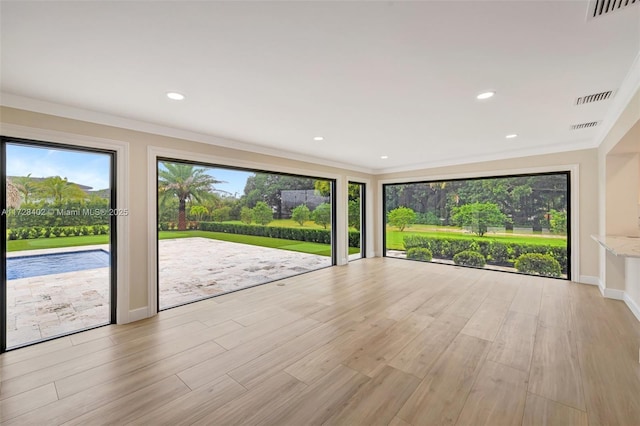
(55, 263)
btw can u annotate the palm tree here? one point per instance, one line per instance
(184, 182)
(59, 189)
(25, 185)
(13, 195)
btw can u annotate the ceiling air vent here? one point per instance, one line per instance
(584, 125)
(602, 96)
(599, 8)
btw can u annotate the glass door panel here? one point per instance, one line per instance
(58, 218)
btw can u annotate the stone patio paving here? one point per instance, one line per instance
(195, 268)
(190, 269)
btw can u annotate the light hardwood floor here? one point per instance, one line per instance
(378, 342)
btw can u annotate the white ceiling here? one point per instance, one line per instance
(373, 78)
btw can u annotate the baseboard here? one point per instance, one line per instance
(633, 306)
(138, 314)
(610, 293)
(589, 279)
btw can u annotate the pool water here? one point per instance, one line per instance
(56, 263)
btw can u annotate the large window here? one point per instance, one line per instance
(222, 229)
(513, 224)
(58, 259)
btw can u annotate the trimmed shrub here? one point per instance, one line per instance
(469, 258)
(540, 264)
(322, 236)
(354, 239)
(418, 253)
(412, 241)
(497, 253)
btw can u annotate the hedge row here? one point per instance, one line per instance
(33, 232)
(322, 236)
(497, 253)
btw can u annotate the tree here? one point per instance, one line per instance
(479, 216)
(322, 215)
(198, 212)
(222, 214)
(26, 186)
(262, 213)
(322, 187)
(401, 217)
(301, 214)
(246, 215)
(354, 204)
(184, 182)
(13, 195)
(59, 189)
(354, 214)
(268, 187)
(557, 221)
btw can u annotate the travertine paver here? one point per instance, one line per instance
(193, 268)
(190, 268)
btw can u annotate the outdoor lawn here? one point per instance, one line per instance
(395, 238)
(292, 245)
(299, 246)
(58, 242)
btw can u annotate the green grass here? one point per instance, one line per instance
(395, 238)
(291, 245)
(46, 243)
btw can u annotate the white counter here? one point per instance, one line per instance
(620, 246)
(629, 248)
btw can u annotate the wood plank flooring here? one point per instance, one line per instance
(378, 342)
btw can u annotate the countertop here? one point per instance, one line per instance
(620, 245)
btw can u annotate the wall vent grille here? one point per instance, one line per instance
(599, 8)
(596, 97)
(584, 125)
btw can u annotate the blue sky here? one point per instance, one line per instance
(84, 168)
(92, 169)
(235, 179)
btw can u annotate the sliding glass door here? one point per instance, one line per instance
(58, 217)
(223, 229)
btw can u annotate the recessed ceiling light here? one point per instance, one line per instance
(485, 95)
(175, 96)
(384, 157)
(511, 136)
(318, 138)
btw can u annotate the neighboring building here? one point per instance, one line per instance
(292, 198)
